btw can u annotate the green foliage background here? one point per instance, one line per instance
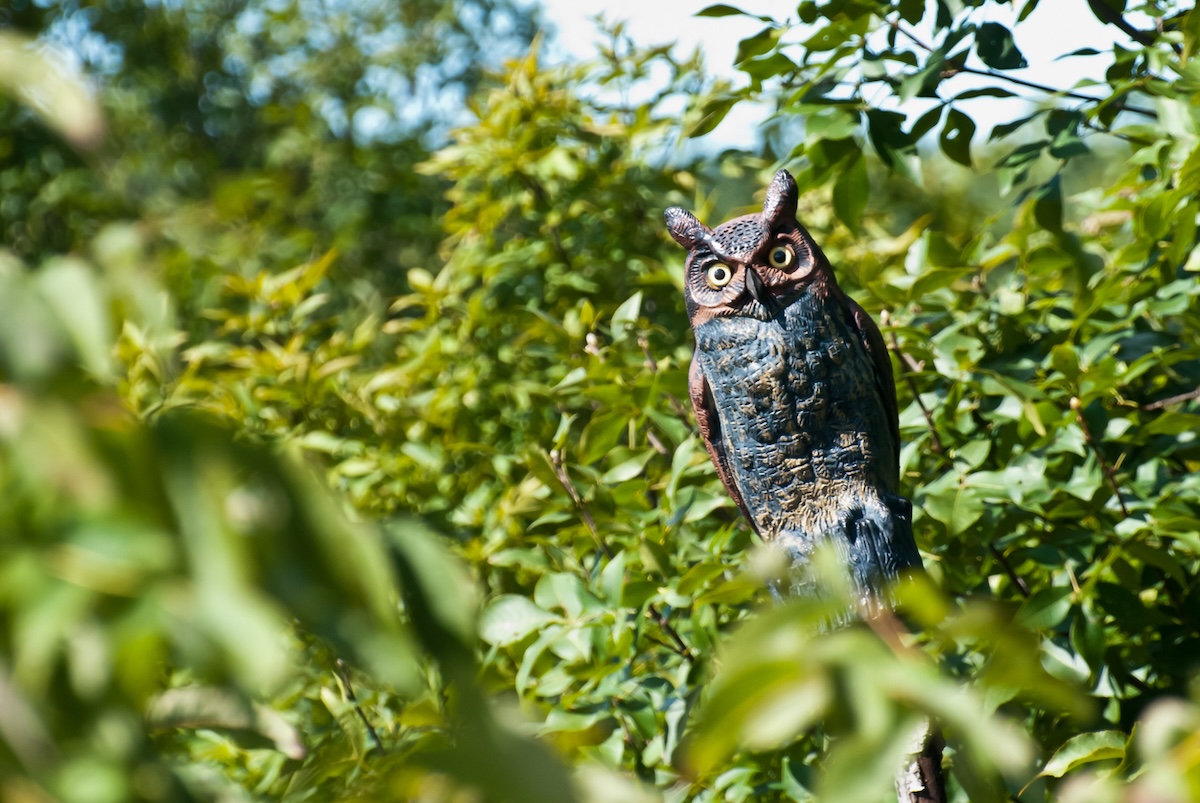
(344, 446)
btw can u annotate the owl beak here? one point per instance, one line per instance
(758, 290)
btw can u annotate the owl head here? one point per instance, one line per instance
(752, 264)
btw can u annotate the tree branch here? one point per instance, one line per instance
(1013, 577)
(1066, 93)
(959, 67)
(1106, 13)
(343, 675)
(678, 645)
(560, 471)
(1182, 397)
(913, 366)
(921, 779)
(1105, 466)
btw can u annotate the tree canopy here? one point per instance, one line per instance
(345, 450)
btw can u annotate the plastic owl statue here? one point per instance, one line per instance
(793, 391)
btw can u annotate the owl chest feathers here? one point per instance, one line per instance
(800, 411)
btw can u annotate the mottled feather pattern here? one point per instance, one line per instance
(794, 392)
(797, 403)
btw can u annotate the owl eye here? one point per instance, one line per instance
(781, 256)
(718, 275)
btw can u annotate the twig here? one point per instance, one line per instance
(913, 367)
(679, 410)
(681, 648)
(560, 471)
(653, 440)
(652, 366)
(1109, 473)
(1015, 578)
(891, 631)
(912, 37)
(958, 67)
(1066, 93)
(921, 780)
(1182, 397)
(343, 675)
(1113, 17)
(1071, 575)
(651, 363)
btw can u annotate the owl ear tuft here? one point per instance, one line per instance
(781, 200)
(684, 227)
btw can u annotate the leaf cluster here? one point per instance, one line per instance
(307, 497)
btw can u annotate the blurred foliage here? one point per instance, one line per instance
(345, 458)
(230, 120)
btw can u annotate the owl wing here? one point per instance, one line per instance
(872, 340)
(710, 431)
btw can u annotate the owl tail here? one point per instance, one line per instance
(874, 542)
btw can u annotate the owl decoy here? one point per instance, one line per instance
(793, 391)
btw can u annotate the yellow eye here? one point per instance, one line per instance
(719, 275)
(781, 256)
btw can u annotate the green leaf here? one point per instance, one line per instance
(510, 618)
(628, 469)
(1065, 360)
(833, 123)
(1048, 205)
(985, 92)
(612, 578)
(1027, 9)
(441, 579)
(761, 706)
(757, 45)
(1106, 10)
(1085, 748)
(761, 69)
(731, 592)
(322, 441)
(698, 576)
(925, 123)
(1005, 129)
(1172, 423)
(1063, 127)
(995, 46)
(935, 279)
(956, 137)
(565, 591)
(1191, 33)
(720, 10)
(958, 507)
(1087, 639)
(911, 11)
(624, 318)
(31, 73)
(1189, 171)
(535, 651)
(711, 115)
(850, 193)
(601, 434)
(1045, 608)
(72, 291)
(885, 130)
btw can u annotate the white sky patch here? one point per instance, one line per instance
(1055, 28)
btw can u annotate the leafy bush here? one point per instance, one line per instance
(517, 559)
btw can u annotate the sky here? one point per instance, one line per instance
(1056, 27)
